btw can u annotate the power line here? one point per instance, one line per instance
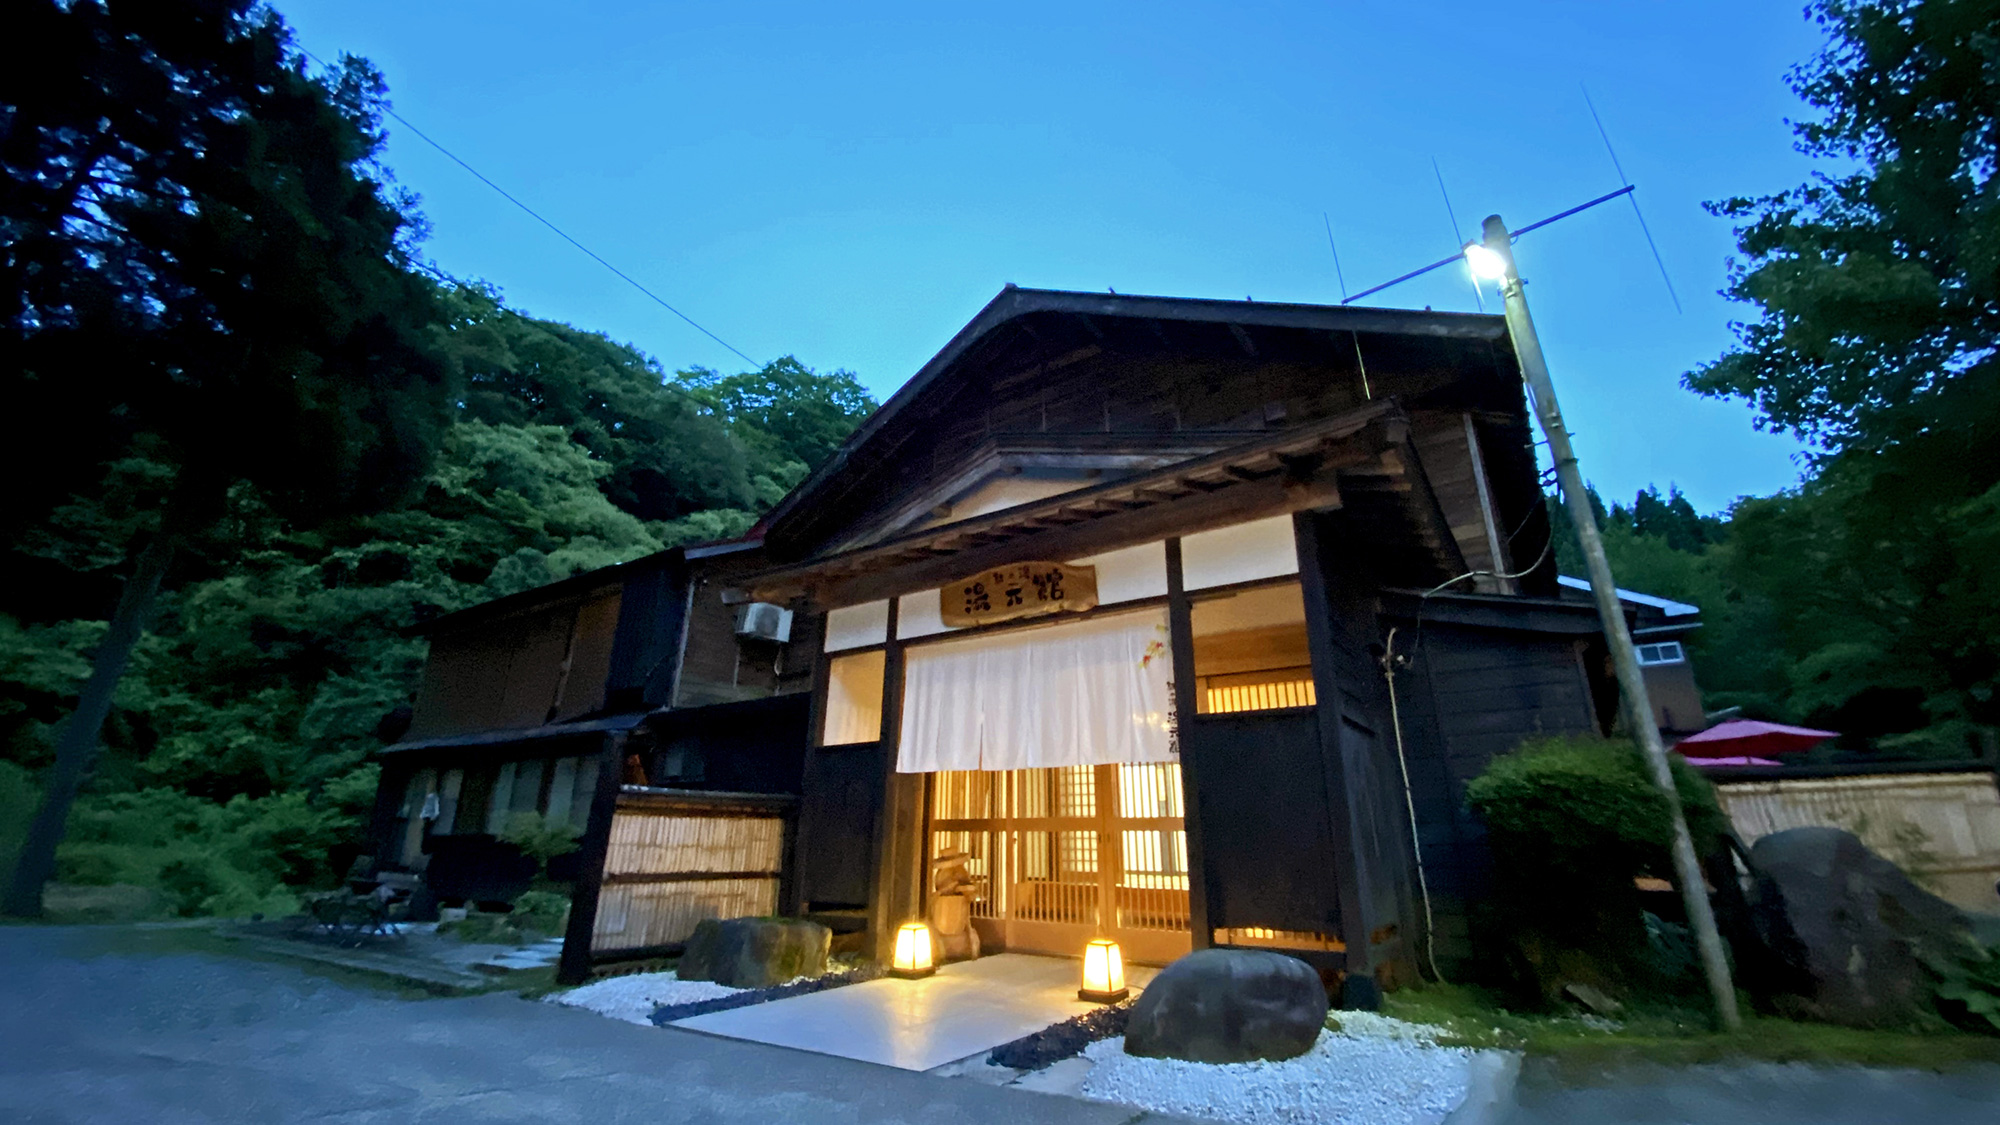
(537, 216)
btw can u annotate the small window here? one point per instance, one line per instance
(1250, 651)
(854, 699)
(1665, 652)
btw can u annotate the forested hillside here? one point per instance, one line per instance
(236, 756)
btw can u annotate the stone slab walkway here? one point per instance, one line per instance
(965, 1009)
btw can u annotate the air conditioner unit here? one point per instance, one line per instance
(764, 622)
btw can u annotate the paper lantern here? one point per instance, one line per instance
(912, 957)
(1103, 973)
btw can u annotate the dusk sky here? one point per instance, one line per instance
(851, 183)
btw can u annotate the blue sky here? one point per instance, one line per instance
(850, 183)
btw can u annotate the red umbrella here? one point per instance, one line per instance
(1750, 738)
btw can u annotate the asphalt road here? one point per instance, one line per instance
(93, 1029)
(110, 1025)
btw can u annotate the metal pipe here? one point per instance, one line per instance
(1624, 658)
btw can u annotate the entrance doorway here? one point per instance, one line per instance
(1064, 854)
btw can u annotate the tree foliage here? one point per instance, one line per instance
(1867, 599)
(212, 305)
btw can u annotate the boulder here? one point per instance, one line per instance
(754, 952)
(1845, 932)
(1228, 1005)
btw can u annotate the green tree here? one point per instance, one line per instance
(204, 264)
(786, 412)
(1876, 336)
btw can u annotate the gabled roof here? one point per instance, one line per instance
(1361, 462)
(1053, 322)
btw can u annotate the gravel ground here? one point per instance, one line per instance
(634, 998)
(1373, 1071)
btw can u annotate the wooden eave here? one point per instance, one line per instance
(1087, 318)
(1307, 468)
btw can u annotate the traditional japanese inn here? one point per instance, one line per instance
(1173, 623)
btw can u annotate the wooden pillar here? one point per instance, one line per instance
(896, 891)
(1180, 639)
(593, 848)
(1356, 905)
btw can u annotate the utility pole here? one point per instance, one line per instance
(1493, 259)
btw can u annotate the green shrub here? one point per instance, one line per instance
(1572, 822)
(539, 837)
(244, 857)
(540, 912)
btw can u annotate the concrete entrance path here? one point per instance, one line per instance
(964, 1009)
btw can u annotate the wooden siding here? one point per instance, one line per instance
(757, 746)
(1942, 828)
(1269, 856)
(518, 671)
(674, 860)
(1334, 556)
(1448, 463)
(716, 667)
(1467, 696)
(841, 805)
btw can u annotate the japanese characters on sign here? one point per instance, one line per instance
(1027, 589)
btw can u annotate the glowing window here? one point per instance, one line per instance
(1250, 651)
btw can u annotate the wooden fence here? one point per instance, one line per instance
(1942, 828)
(676, 858)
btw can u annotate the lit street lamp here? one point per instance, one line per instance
(1493, 259)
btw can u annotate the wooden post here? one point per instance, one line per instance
(1357, 922)
(1180, 638)
(594, 848)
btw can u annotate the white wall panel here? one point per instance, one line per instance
(856, 625)
(1241, 552)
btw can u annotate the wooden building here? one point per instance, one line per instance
(552, 700)
(1181, 622)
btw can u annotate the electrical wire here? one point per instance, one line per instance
(1410, 803)
(1396, 725)
(560, 233)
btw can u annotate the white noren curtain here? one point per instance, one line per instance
(1079, 693)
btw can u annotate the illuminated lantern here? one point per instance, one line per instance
(912, 958)
(1103, 973)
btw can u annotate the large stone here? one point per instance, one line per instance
(1845, 932)
(754, 952)
(1228, 1005)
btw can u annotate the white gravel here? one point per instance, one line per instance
(1373, 1071)
(633, 998)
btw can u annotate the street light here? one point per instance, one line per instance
(1494, 253)
(1487, 264)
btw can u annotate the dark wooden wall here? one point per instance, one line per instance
(839, 810)
(1358, 744)
(520, 670)
(716, 667)
(757, 746)
(1468, 695)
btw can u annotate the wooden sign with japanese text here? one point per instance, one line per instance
(1007, 593)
